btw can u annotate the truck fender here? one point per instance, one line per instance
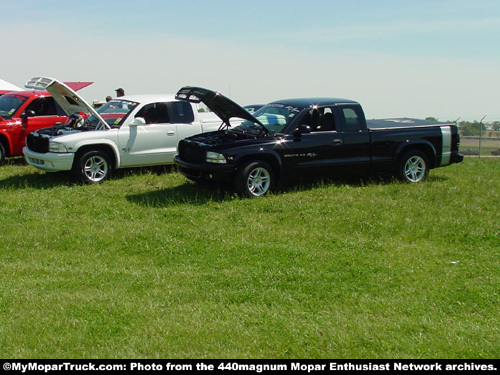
(270, 156)
(96, 144)
(420, 144)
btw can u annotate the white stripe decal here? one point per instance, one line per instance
(446, 153)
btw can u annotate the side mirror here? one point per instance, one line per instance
(138, 121)
(27, 114)
(302, 129)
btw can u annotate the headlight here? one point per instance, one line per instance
(214, 157)
(57, 147)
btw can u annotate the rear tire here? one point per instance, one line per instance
(254, 179)
(92, 167)
(413, 167)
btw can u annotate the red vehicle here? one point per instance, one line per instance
(22, 112)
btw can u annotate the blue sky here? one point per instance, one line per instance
(398, 58)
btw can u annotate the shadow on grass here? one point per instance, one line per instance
(187, 193)
(354, 181)
(156, 169)
(37, 180)
(42, 180)
(199, 194)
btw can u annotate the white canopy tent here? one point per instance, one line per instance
(7, 87)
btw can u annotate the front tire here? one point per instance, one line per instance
(92, 167)
(2, 153)
(254, 179)
(413, 167)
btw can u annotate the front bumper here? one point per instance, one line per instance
(209, 171)
(49, 162)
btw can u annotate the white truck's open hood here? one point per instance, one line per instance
(68, 99)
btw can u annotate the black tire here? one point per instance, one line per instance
(198, 180)
(413, 167)
(2, 153)
(92, 167)
(254, 179)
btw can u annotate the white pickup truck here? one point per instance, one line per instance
(130, 131)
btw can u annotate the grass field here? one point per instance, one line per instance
(149, 265)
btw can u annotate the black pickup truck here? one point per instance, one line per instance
(300, 138)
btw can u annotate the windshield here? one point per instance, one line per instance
(9, 104)
(113, 112)
(274, 116)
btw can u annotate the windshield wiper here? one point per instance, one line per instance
(263, 127)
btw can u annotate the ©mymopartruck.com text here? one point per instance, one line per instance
(259, 367)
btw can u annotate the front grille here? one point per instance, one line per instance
(191, 152)
(37, 144)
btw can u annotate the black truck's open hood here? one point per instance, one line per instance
(223, 107)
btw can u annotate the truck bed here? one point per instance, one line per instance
(405, 122)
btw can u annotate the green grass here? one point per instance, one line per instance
(149, 265)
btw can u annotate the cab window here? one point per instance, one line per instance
(351, 120)
(180, 112)
(154, 113)
(167, 113)
(319, 119)
(45, 106)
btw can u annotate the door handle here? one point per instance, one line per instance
(170, 132)
(337, 141)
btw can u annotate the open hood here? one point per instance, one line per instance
(223, 107)
(68, 99)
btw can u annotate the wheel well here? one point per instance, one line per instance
(5, 144)
(104, 148)
(269, 159)
(426, 149)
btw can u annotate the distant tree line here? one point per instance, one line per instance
(474, 128)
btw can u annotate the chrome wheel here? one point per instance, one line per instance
(259, 181)
(254, 179)
(96, 168)
(415, 169)
(93, 167)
